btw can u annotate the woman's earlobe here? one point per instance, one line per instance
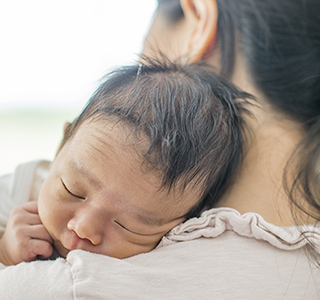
(203, 17)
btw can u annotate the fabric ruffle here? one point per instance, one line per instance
(214, 222)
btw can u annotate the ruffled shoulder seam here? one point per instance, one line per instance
(214, 222)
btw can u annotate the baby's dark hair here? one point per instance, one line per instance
(192, 117)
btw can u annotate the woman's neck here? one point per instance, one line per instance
(258, 186)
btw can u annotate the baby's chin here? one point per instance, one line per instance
(63, 252)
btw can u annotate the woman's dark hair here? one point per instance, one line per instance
(280, 41)
(193, 120)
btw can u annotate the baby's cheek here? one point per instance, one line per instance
(41, 202)
(121, 244)
(127, 250)
(48, 207)
(143, 245)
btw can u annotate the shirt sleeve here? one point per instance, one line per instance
(5, 201)
(16, 188)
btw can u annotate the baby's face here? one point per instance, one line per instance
(97, 198)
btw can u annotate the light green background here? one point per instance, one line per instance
(27, 135)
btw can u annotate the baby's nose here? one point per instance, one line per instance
(85, 228)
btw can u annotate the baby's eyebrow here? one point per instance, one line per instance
(78, 168)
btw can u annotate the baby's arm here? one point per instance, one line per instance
(25, 237)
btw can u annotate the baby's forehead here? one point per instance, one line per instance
(114, 139)
(115, 133)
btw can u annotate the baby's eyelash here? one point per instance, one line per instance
(125, 228)
(72, 194)
(141, 234)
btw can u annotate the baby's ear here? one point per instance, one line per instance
(65, 131)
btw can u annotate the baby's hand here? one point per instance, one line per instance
(25, 237)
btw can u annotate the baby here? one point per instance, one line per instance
(156, 144)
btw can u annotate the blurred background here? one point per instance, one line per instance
(53, 53)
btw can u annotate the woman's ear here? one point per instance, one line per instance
(202, 19)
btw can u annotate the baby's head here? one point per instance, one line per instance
(156, 144)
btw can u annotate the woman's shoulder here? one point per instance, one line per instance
(228, 266)
(243, 256)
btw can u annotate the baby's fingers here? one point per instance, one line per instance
(40, 233)
(24, 214)
(31, 219)
(31, 207)
(38, 249)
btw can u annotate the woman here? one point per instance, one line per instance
(270, 49)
